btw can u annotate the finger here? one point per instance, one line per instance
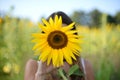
(44, 68)
(50, 68)
(39, 73)
(66, 66)
(40, 66)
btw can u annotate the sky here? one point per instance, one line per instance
(35, 9)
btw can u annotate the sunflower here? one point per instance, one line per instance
(56, 43)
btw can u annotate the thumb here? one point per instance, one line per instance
(39, 67)
(39, 74)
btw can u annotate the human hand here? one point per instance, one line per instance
(37, 70)
(43, 70)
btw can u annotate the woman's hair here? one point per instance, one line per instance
(65, 18)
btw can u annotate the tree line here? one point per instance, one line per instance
(94, 18)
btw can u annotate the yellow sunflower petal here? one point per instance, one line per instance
(57, 23)
(45, 54)
(51, 22)
(67, 56)
(69, 27)
(75, 48)
(58, 59)
(61, 57)
(39, 35)
(80, 36)
(38, 40)
(39, 44)
(70, 53)
(50, 56)
(60, 22)
(56, 20)
(75, 40)
(71, 32)
(74, 36)
(44, 28)
(55, 57)
(41, 48)
(46, 23)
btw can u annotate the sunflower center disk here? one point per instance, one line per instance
(57, 39)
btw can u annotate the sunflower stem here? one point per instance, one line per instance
(60, 71)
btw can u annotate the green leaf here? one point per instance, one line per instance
(61, 72)
(75, 70)
(78, 73)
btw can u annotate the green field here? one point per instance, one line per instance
(101, 47)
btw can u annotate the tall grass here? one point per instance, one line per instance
(101, 47)
(15, 46)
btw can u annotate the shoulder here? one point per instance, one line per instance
(87, 63)
(30, 69)
(89, 70)
(31, 62)
(31, 65)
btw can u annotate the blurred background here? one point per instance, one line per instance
(97, 20)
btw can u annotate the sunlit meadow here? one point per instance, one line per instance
(101, 47)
